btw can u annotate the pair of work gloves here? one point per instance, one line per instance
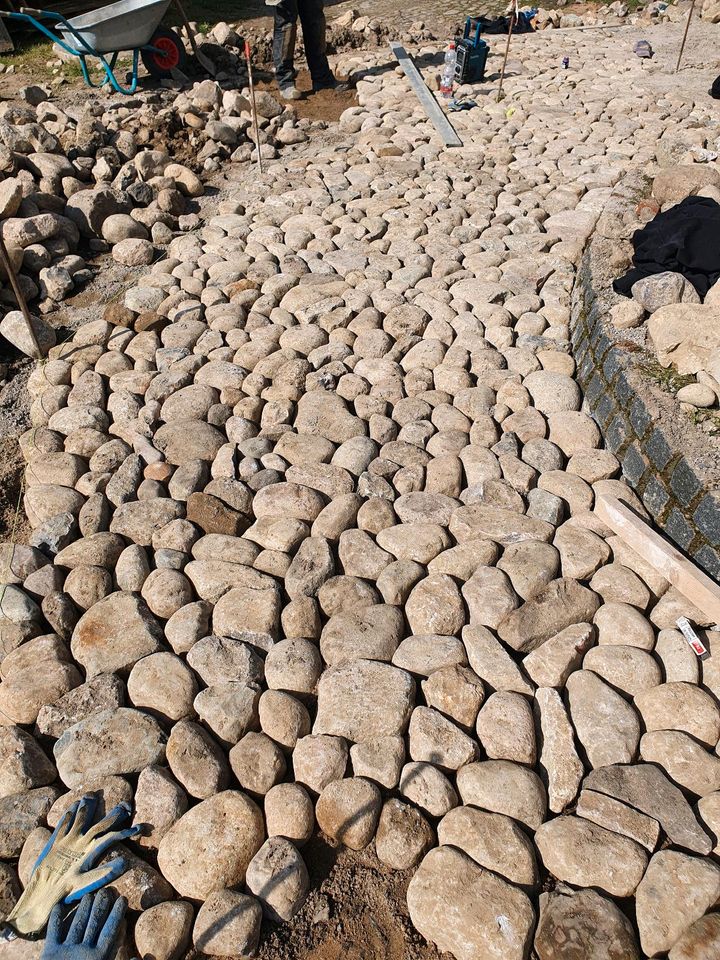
(66, 872)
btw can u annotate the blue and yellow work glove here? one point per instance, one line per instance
(67, 867)
(92, 931)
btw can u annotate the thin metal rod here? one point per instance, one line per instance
(19, 296)
(685, 35)
(507, 51)
(254, 108)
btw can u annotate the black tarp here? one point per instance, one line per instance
(684, 239)
(495, 25)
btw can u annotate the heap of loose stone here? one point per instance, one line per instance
(80, 180)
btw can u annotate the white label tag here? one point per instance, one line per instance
(692, 638)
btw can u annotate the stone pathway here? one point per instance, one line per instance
(319, 500)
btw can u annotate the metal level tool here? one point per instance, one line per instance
(428, 101)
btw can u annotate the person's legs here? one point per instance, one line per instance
(312, 18)
(284, 34)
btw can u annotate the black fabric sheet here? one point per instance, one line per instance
(495, 25)
(684, 239)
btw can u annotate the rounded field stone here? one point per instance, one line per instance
(210, 847)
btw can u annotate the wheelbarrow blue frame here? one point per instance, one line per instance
(35, 18)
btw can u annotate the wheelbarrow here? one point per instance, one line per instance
(129, 25)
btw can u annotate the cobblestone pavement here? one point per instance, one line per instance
(319, 549)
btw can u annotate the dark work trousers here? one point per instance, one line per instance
(312, 18)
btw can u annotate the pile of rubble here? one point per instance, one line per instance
(79, 181)
(657, 11)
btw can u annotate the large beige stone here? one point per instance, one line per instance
(586, 855)
(685, 335)
(681, 706)
(558, 757)
(501, 786)
(607, 726)
(211, 846)
(579, 924)
(492, 840)
(468, 911)
(561, 604)
(370, 633)
(348, 811)
(676, 890)
(403, 836)
(278, 877)
(505, 727)
(114, 634)
(645, 787)
(363, 700)
(675, 183)
(435, 739)
(163, 931)
(228, 924)
(701, 941)
(109, 742)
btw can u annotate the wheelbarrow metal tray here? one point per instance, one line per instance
(126, 25)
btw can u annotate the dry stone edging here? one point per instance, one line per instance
(679, 491)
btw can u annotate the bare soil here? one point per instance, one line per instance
(356, 911)
(324, 105)
(14, 420)
(12, 516)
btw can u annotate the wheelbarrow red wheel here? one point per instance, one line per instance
(169, 54)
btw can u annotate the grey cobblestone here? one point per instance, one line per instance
(710, 560)
(611, 365)
(605, 408)
(633, 464)
(658, 450)
(679, 529)
(707, 516)
(602, 347)
(624, 392)
(640, 420)
(655, 497)
(617, 433)
(594, 390)
(684, 483)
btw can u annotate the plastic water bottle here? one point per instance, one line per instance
(448, 75)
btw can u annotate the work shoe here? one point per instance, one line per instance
(290, 93)
(339, 86)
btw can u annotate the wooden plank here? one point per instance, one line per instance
(427, 100)
(689, 580)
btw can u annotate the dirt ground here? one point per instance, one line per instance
(325, 105)
(14, 420)
(356, 911)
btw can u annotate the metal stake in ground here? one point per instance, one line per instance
(685, 35)
(21, 301)
(507, 51)
(254, 108)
